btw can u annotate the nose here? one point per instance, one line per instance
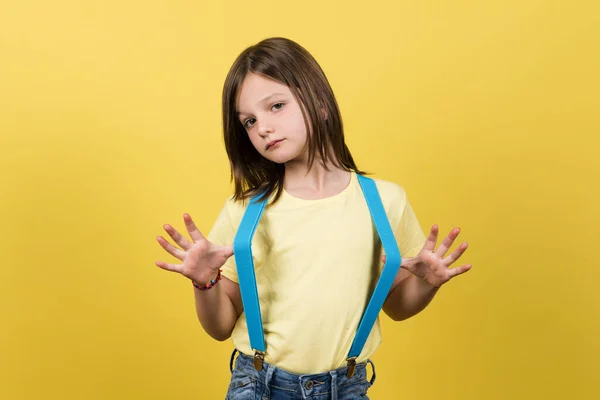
(264, 127)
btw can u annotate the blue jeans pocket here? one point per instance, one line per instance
(241, 387)
(357, 390)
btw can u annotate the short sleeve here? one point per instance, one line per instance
(403, 220)
(408, 232)
(223, 232)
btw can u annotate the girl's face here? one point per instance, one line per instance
(272, 118)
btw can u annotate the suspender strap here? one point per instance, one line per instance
(390, 269)
(242, 248)
(242, 251)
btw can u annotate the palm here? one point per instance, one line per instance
(204, 253)
(431, 264)
(200, 258)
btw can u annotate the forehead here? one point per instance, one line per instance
(255, 88)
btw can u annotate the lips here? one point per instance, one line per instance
(272, 143)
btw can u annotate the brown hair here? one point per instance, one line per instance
(285, 61)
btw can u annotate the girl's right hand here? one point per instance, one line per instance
(201, 259)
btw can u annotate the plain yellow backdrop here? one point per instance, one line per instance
(486, 112)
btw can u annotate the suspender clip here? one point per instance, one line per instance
(351, 367)
(259, 357)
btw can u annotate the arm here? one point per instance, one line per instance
(429, 270)
(408, 297)
(219, 308)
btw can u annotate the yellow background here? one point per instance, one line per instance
(110, 126)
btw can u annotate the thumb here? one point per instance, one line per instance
(383, 258)
(227, 250)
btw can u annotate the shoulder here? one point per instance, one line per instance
(394, 198)
(389, 189)
(392, 194)
(234, 209)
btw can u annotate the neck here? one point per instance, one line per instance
(317, 182)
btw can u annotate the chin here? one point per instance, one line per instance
(280, 157)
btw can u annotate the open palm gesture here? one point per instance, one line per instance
(200, 258)
(431, 265)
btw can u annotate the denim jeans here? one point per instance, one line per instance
(274, 383)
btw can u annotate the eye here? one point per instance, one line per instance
(248, 123)
(277, 106)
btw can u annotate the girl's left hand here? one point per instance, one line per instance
(431, 265)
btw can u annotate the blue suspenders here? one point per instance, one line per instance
(242, 250)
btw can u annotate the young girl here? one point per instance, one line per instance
(316, 252)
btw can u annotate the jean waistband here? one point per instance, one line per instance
(271, 375)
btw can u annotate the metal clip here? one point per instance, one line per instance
(351, 366)
(259, 357)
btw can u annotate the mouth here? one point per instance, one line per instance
(273, 143)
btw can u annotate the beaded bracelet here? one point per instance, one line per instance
(210, 283)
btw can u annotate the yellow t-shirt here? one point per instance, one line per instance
(316, 264)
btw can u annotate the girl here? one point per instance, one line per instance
(316, 252)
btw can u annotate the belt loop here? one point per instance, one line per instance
(372, 381)
(268, 377)
(231, 360)
(334, 391)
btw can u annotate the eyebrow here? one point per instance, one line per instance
(264, 99)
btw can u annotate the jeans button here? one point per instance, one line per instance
(309, 385)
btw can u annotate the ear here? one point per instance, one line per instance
(324, 113)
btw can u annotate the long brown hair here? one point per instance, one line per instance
(285, 61)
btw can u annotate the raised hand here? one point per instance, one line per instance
(431, 265)
(201, 259)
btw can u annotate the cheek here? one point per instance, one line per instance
(299, 126)
(302, 134)
(255, 140)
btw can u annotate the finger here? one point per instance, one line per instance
(194, 232)
(432, 238)
(170, 267)
(455, 254)
(172, 250)
(447, 242)
(459, 270)
(383, 258)
(178, 238)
